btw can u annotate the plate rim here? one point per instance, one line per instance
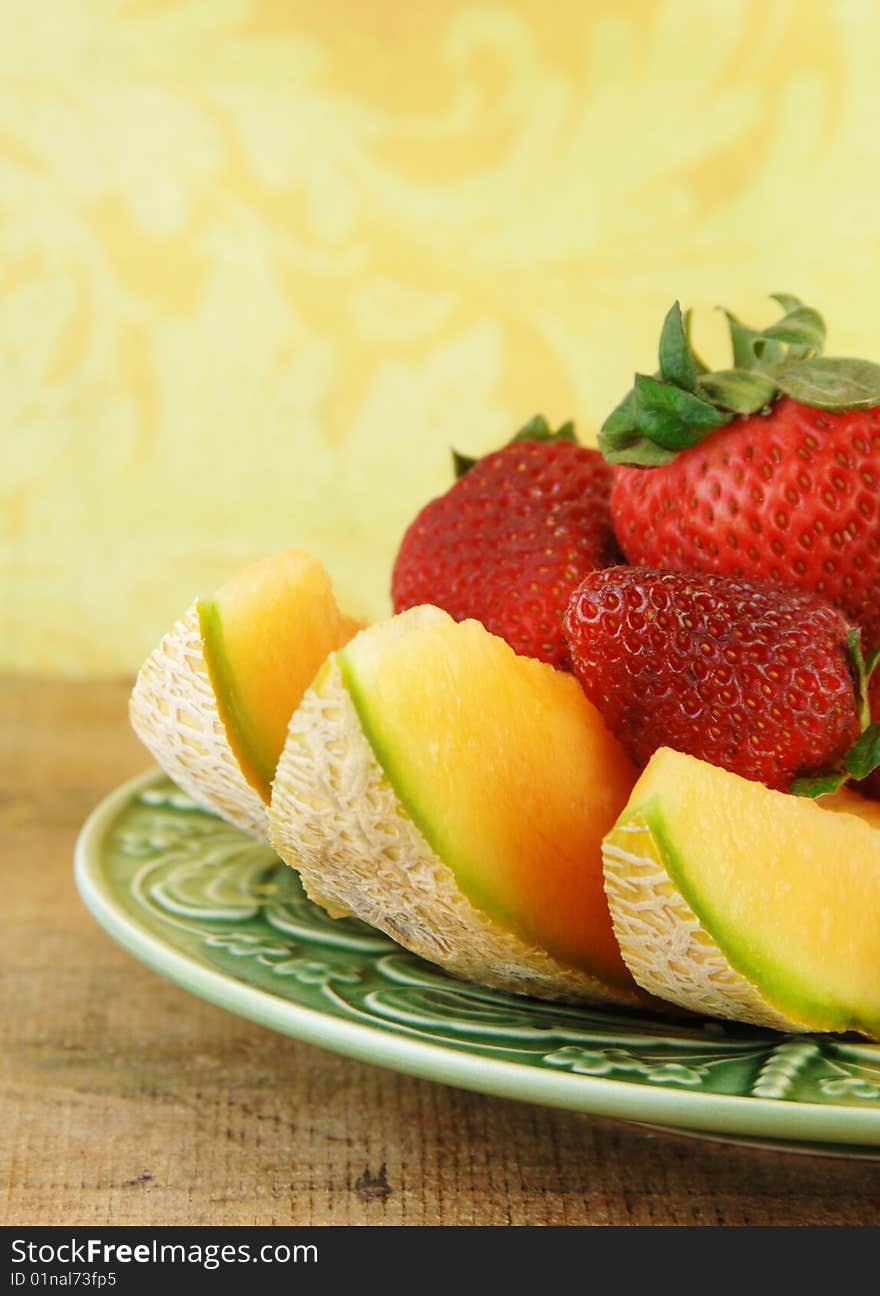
(799, 1122)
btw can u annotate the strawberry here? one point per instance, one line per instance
(766, 682)
(769, 470)
(510, 540)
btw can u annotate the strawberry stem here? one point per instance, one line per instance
(537, 429)
(864, 755)
(683, 403)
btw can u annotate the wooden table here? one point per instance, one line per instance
(125, 1100)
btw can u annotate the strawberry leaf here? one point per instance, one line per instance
(787, 301)
(860, 673)
(829, 382)
(634, 450)
(748, 344)
(684, 402)
(462, 463)
(741, 391)
(671, 417)
(864, 755)
(677, 363)
(622, 422)
(870, 663)
(537, 429)
(818, 785)
(802, 328)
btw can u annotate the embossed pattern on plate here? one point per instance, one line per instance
(218, 913)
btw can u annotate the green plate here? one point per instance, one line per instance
(220, 915)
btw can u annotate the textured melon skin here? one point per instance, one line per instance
(663, 942)
(335, 818)
(173, 711)
(697, 963)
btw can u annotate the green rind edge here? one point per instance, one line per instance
(399, 783)
(792, 1001)
(256, 766)
(469, 884)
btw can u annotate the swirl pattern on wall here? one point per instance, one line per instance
(262, 262)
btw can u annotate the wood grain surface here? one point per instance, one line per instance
(124, 1100)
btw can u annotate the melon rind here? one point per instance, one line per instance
(665, 946)
(336, 819)
(173, 711)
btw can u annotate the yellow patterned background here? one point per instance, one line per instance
(263, 261)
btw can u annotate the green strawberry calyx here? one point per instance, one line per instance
(537, 429)
(685, 401)
(864, 755)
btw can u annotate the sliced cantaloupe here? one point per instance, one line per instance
(455, 795)
(266, 632)
(213, 701)
(741, 902)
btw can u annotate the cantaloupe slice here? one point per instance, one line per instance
(265, 633)
(455, 795)
(740, 902)
(213, 701)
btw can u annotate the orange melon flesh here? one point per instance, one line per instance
(788, 888)
(506, 769)
(265, 634)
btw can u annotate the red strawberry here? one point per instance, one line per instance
(790, 494)
(790, 497)
(765, 682)
(511, 539)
